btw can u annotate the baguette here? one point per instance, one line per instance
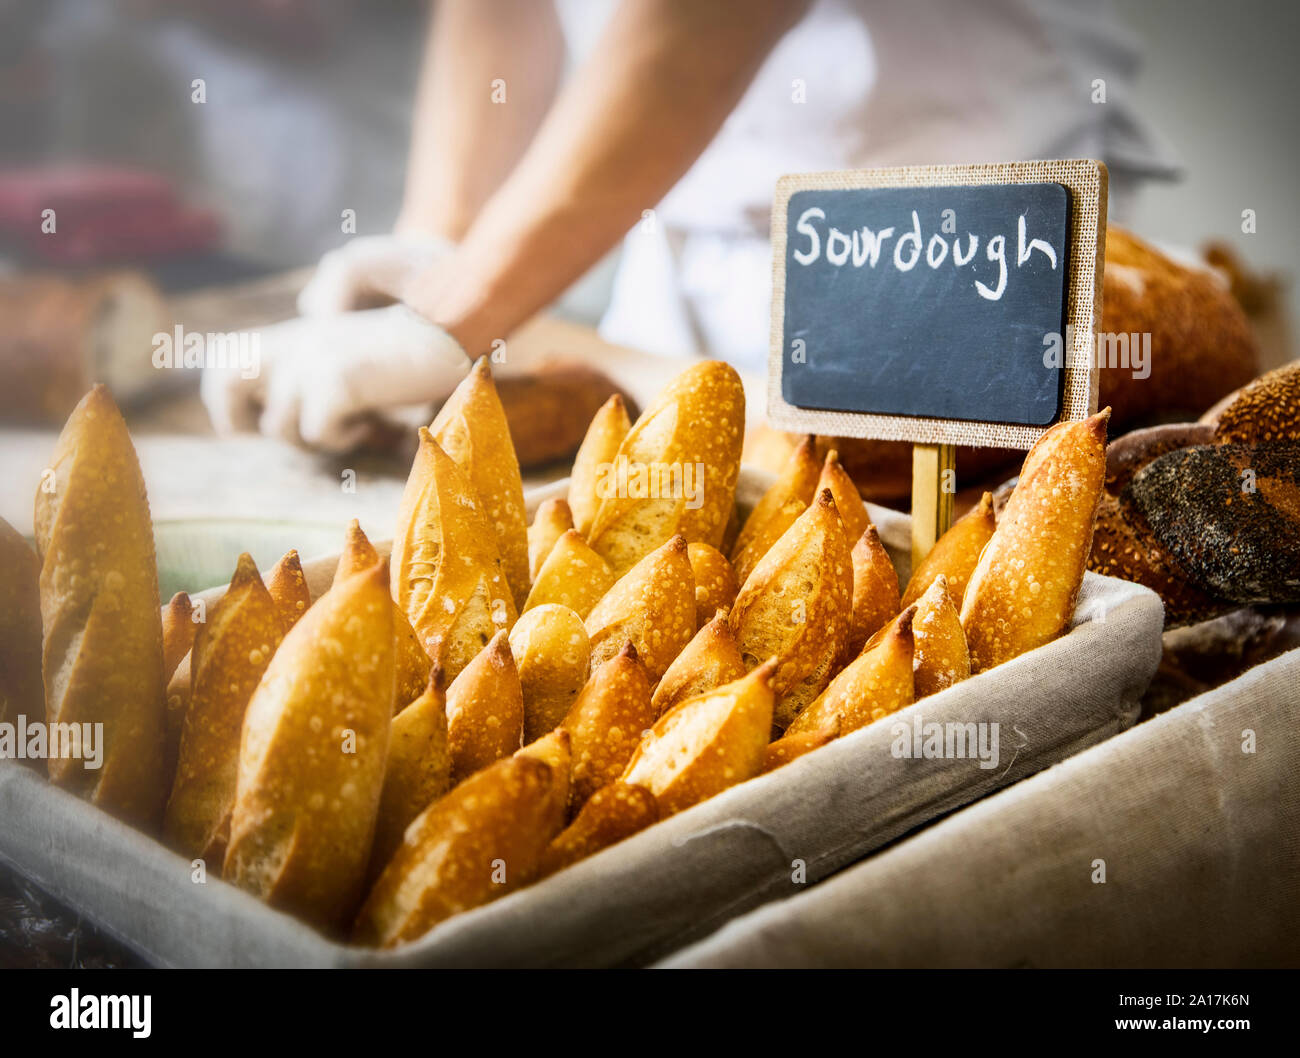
(21, 690)
(447, 574)
(418, 770)
(178, 627)
(606, 723)
(875, 592)
(485, 710)
(940, 657)
(553, 520)
(412, 664)
(1022, 592)
(598, 449)
(777, 509)
(876, 683)
(955, 553)
(796, 607)
(311, 759)
(471, 428)
(694, 428)
(553, 656)
(231, 653)
(784, 750)
(481, 841)
(706, 744)
(848, 502)
(102, 656)
(288, 587)
(612, 814)
(572, 575)
(652, 606)
(555, 750)
(709, 660)
(715, 582)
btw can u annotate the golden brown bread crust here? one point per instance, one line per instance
(572, 575)
(876, 683)
(848, 503)
(231, 652)
(651, 606)
(790, 747)
(875, 592)
(778, 508)
(796, 606)
(485, 710)
(553, 657)
(484, 839)
(418, 770)
(696, 422)
(1023, 590)
(1268, 409)
(472, 429)
(709, 660)
(288, 587)
(706, 744)
(179, 627)
(447, 574)
(552, 520)
(940, 657)
(955, 554)
(715, 582)
(102, 657)
(612, 814)
(21, 690)
(606, 723)
(311, 757)
(600, 445)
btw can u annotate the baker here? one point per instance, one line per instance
(667, 132)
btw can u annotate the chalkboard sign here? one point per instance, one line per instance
(949, 304)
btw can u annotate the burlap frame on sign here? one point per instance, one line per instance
(1086, 180)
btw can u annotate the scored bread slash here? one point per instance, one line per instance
(876, 683)
(784, 750)
(232, 651)
(1022, 592)
(875, 592)
(572, 575)
(706, 744)
(778, 508)
(481, 841)
(607, 721)
(288, 587)
(940, 657)
(418, 770)
(102, 653)
(709, 660)
(553, 657)
(485, 710)
(715, 582)
(412, 663)
(685, 450)
(471, 427)
(955, 554)
(552, 520)
(651, 606)
(599, 447)
(796, 607)
(447, 575)
(311, 759)
(612, 814)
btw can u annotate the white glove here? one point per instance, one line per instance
(318, 379)
(366, 266)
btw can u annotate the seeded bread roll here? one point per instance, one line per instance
(102, 646)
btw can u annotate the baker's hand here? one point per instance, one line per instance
(368, 269)
(317, 380)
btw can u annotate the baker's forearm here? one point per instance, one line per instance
(491, 71)
(662, 80)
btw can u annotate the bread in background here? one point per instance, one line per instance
(21, 690)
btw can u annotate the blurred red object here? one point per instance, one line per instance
(100, 214)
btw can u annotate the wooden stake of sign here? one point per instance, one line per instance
(934, 476)
(909, 304)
